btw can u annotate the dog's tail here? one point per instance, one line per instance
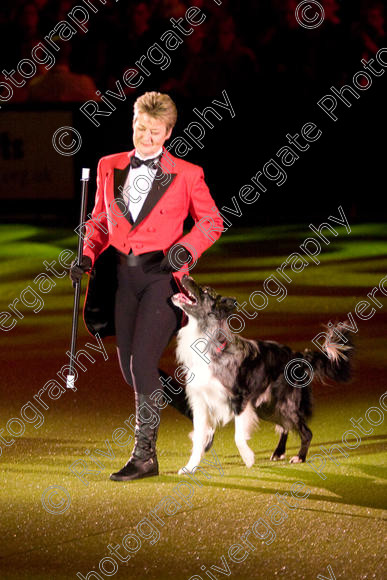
(334, 359)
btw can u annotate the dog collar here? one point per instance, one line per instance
(221, 347)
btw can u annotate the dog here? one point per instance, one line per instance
(247, 380)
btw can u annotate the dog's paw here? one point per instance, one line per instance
(277, 457)
(185, 470)
(248, 457)
(296, 459)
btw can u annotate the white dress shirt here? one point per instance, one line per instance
(138, 184)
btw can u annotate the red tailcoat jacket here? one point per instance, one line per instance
(178, 190)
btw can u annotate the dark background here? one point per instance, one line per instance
(273, 70)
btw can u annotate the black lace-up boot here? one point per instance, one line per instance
(143, 461)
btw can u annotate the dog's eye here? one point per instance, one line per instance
(210, 292)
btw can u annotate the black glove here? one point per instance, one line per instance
(76, 271)
(175, 258)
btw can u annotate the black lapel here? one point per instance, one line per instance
(155, 194)
(120, 176)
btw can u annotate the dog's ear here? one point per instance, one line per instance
(228, 305)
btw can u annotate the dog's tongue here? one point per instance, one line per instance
(182, 298)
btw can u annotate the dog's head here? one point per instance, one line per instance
(203, 301)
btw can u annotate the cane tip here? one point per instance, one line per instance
(70, 382)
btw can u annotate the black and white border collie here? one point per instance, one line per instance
(244, 379)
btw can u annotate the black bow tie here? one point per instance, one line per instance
(137, 162)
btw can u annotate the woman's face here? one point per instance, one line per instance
(149, 134)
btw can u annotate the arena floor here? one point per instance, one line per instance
(337, 531)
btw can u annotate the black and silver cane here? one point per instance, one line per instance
(85, 184)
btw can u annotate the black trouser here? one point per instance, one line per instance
(145, 320)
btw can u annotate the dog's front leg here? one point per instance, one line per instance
(202, 427)
(245, 424)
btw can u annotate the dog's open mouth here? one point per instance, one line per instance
(181, 298)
